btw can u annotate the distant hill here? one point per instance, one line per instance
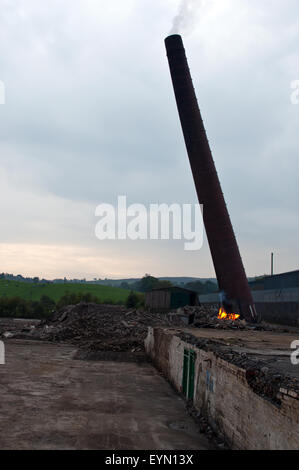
(176, 280)
(185, 280)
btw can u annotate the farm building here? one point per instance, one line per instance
(277, 281)
(170, 298)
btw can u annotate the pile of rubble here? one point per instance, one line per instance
(98, 327)
(10, 327)
(207, 317)
(116, 328)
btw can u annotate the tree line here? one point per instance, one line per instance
(16, 307)
(148, 283)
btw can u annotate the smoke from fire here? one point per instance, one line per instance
(184, 21)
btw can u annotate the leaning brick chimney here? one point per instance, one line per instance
(231, 276)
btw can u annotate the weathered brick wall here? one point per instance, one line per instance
(223, 394)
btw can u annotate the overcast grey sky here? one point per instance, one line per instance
(90, 114)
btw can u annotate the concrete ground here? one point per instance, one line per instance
(271, 347)
(51, 401)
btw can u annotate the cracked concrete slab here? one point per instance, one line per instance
(51, 401)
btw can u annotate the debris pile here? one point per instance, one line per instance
(207, 317)
(9, 327)
(114, 327)
(99, 327)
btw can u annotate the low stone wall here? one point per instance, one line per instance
(223, 394)
(275, 306)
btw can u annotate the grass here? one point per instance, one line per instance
(31, 291)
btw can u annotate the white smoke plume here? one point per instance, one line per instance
(185, 20)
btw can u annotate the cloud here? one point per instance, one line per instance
(90, 114)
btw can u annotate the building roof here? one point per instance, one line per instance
(267, 276)
(174, 289)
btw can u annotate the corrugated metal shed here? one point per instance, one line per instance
(278, 281)
(170, 298)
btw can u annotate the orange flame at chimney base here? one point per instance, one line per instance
(222, 315)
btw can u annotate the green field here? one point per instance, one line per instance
(31, 291)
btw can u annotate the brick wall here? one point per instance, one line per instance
(223, 394)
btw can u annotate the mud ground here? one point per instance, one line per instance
(49, 400)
